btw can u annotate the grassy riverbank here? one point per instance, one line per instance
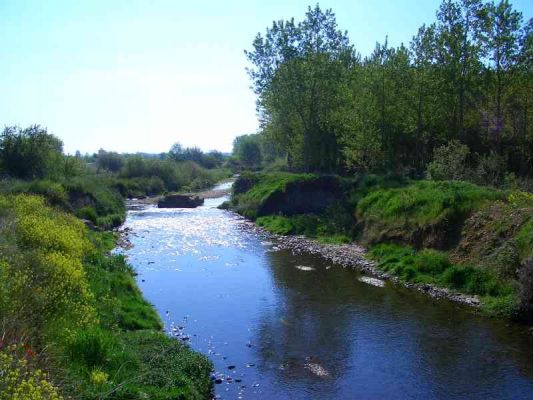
(73, 321)
(453, 234)
(99, 197)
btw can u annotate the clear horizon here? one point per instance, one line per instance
(138, 76)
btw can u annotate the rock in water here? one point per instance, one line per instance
(317, 369)
(180, 201)
(304, 268)
(372, 281)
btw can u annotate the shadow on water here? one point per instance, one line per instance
(279, 326)
(384, 341)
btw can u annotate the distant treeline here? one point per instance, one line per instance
(93, 186)
(461, 90)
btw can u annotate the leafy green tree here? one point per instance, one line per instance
(247, 148)
(503, 30)
(296, 74)
(466, 78)
(459, 28)
(109, 160)
(30, 153)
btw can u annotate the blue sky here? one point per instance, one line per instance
(140, 75)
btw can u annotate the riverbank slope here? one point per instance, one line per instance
(73, 321)
(454, 238)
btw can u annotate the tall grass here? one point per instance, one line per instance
(77, 313)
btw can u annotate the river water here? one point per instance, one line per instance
(279, 326)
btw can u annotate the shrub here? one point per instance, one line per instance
(449, 162)
(431, 262)
(30, 153)
(88, 213)
(20, 379)
(490, 170)
(54, 192)
(92, 347)
(42, 261)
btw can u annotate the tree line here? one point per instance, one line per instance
(93, 186)
(463, 83)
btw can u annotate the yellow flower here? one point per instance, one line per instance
(98, 377)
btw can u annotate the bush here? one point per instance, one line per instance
(54, 192)
(450, 162)
(430, 266)
(20, 379)
(88, 213)
(42, 262)
(490, 170)
(92, 347)
(30, 153)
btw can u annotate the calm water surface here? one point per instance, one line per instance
(297, 327)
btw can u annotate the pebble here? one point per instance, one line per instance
(353, 256)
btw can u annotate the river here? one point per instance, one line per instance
(279, 326)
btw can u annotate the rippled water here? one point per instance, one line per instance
(278, 326)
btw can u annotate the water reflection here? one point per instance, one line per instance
(300, 328)
(383, 342)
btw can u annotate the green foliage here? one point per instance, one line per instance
(482, 259)
(524, 241)
(402, 212)
(434, 267)
(62, 291)
(247, 148)
(450, 162)
(458, 93)
(213, 159)
(98, 193)
(314, 226)
(109, 161)
(141, 176)
(498, 236)
(92, 347)
(30, 153)
(54, 192)
(42, 260)
(19, 377)
(260, 188)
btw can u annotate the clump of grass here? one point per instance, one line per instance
(434, 267)
(313, 226)
(408, 212)
(254, 189)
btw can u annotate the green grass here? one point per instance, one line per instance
(136, 365)
(434, 267)
(78, 309)
(262, 187)
(313, 226)
(450, 234)
(420, 208)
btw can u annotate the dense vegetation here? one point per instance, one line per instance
(455, 234)
(453, 106)
(460, 91)
(93, 187)
(74, 322)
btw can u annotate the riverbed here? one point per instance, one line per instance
(284, 326)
